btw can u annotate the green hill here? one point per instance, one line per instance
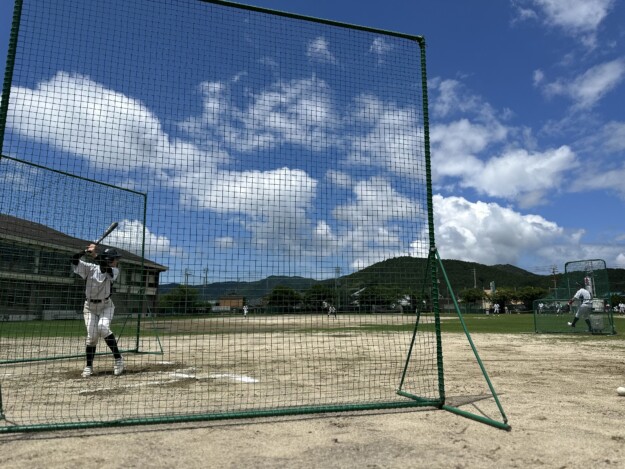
(249, 290)
(409, 270)
(405, 273)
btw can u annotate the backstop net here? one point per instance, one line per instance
(553, 314)
(46, 216)
(289, 259)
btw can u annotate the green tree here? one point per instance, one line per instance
(377, 295)
(317, 294)
(502, 297)
(529, 294)
(283, 297)
(182, 299)
(615, 300)
(472, 295)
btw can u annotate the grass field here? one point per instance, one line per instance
(476, 323)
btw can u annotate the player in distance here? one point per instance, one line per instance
(585, 306)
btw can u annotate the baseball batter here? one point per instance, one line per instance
(585, 307)
(99, 308)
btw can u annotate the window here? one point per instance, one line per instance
(54, 263)
(15, 258)
(14, 294)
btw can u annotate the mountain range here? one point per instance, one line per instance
(403, 272)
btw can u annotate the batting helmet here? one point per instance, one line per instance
(109, 254)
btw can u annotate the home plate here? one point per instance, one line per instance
(233, 377)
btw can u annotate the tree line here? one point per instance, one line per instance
(187, 299)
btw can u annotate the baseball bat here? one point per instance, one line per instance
(108, 231)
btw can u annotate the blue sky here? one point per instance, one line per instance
(526, 121)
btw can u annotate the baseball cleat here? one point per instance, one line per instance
(87, 372)
(119, 367)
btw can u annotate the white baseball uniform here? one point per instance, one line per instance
(98, 309)
(585, 307)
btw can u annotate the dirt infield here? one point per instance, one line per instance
(224, 366)
(558, 392)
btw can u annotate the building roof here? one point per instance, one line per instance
(35, 233)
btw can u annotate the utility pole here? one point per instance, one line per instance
(554, 271)
(474, 277)
(205, 289)
(337, 271)
(186, 289)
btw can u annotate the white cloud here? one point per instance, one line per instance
(325, 241)
(129, 236)
(538, 77)
(302, 112)
(518, 174)
(339, 178)
(373, 221)
(319, 50)
(299, 112)
(607, 170)
(580, 15)
(575, 18)
(369, 228)
(275, 204)
(376, 202)
(524, 13)
(488, 233)
(263, 203)
(599, 178)
(613, 136)
(254, 193)
(225, 242)
(380, 47)
(591, 86)
(479, 151)
(515, 174)
(456, 144)
(451, 97)
(393, 138)
(112, 131)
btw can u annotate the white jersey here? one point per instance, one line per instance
(583, 296)
(98, 284)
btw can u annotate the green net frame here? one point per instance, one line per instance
(290, 226)
(41, 299)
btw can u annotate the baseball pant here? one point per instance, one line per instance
(98, 317)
